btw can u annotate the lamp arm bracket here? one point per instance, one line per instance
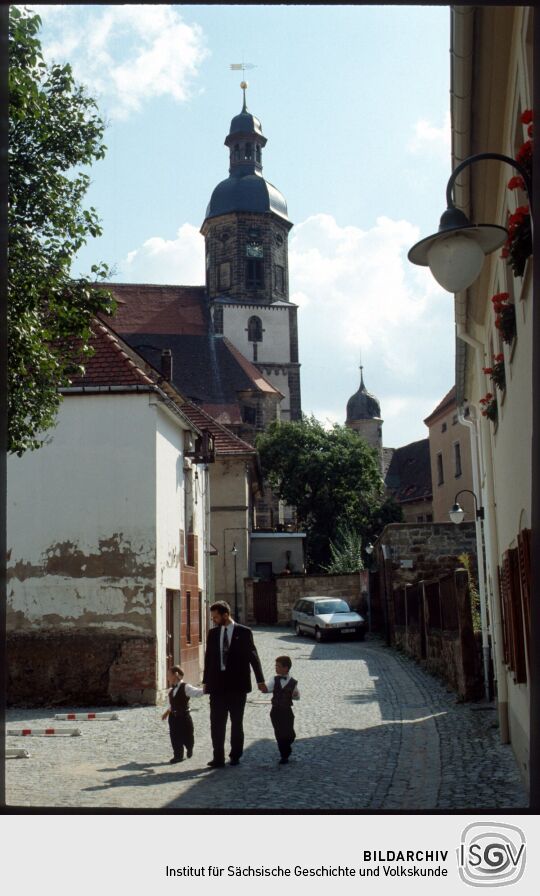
(480, 157)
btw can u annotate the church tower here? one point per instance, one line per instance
(246, 229)
(364, 415)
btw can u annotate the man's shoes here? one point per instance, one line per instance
(234, 762)
(215, 764)
(284, 760)
(189, 753)
(176, 759)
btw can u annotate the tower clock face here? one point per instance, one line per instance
(254, 250)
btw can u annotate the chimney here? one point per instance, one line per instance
(166, 364)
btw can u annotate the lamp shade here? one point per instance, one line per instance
(455, 261)
(456, 514)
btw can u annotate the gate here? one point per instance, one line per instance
(265, 603)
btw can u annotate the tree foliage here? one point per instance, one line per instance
(54, 128)
(345, 552)
(331, 477)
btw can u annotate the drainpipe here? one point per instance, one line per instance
(491, 551)
(479, 547)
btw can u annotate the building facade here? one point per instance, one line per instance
(491, 112)
(450, 457)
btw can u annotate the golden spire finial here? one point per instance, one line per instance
(242, 66)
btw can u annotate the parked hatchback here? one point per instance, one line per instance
(325, 617)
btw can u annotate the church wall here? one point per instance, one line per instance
(275, 344)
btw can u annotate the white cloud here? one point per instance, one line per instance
(358, 293)
(167, 261)
(428, 137)
(128, 54)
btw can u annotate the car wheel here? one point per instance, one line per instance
(297, 629)
(319, 635)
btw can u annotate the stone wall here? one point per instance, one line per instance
(289, 589)
(80, 669)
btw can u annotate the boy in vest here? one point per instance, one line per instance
(284, 690)
(178, 714)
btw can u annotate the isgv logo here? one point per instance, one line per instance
(491, 854)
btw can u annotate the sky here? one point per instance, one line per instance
(354, 102)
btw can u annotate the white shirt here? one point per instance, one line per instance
(191, 690)
(229, 628)
(270, 686)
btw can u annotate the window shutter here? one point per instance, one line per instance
(524, 557)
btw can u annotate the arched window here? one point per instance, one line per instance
(248, 153)
(258, 153)
(255, 330)
(237, 152)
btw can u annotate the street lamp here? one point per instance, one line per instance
(457, 513)
(369, 551)
(455, 254)
(234, 552)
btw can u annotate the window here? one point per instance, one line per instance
(443, 427)
(254, 273)
(249, 415)
(279, 276)
(429, 517)
(248, 151)
(188, 617)
(454, 420)
(255, 329)
(224, 278)
(440, 471)
(420, 519)
(258, 153)
(457, 459)
(236, 152)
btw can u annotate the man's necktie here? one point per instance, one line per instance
(225, 648)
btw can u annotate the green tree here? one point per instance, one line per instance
(345, 552)
(331, 477)
(54, 128)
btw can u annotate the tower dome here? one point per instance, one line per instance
(362, 405)
(246, 190)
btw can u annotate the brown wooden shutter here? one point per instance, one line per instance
(524, 557)
(506, 619)
(520, 666)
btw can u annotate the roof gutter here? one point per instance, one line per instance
(461, 56)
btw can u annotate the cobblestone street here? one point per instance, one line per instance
(374, 731)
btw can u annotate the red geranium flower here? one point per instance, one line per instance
(527, 116)
(516, 182)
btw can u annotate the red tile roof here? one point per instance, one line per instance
(250, 370)
(225, 441)
(111, 364)
(147, 308)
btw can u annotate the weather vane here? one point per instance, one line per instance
(242, 66)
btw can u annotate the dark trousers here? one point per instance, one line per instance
(222, 706)
(282, 719)
(181, 732)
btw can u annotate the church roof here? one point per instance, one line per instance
(250, 193)
(362, 405)
(408, 477)
(149, 308)
(206, 369)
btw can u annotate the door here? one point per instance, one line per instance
(169, 628)
(265, 603)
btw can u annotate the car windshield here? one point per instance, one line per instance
(331, 606)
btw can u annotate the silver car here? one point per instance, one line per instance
(324, 617)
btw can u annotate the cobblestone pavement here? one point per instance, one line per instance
(374, 731)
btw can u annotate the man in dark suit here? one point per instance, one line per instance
(230, 652)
